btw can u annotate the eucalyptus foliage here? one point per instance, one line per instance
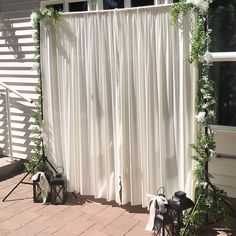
(36, 162)
(209, 198)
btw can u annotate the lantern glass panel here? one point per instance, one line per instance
(58, 188)
(37, 192)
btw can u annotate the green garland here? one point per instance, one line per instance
(36, 163)
(209, 198)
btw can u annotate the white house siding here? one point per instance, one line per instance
(223, 168)
(16, 61)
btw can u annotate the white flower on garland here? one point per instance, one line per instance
(201, 116)
(203, 91)
(200, 4)
(212, 152)
(49, 13)
(205, 105)
(211, 113)
(207, 96)
(37, 57)
(33, 19)
(35, 66)
(211, 132)
(205, 79)
(207, 57)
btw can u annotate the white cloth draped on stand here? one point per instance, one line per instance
(118, 97)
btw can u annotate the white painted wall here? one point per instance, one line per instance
(223, 168)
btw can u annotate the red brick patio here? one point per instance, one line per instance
(19, 216)
(85, 216)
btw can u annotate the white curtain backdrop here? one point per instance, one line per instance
(118, 96)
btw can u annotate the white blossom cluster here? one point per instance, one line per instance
(206, 113)
(36, 17)
(200, 4)
(207, 58)
(35, 66)
(201, 116)
(34, 20)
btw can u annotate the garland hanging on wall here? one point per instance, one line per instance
(210, 200)
(36, 162)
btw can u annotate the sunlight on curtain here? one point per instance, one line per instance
(119, 102)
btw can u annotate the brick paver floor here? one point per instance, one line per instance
(84, 216)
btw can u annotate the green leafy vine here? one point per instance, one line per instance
(36, 162)
(209, 198)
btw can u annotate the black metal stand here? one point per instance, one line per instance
(22, 180)
(209, 184)
(45, 159)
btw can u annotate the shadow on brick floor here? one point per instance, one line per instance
(82, 199)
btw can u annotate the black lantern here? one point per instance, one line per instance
(58, 190)
(177, 205)
(163, 225)
(37, 190)
(163, 222)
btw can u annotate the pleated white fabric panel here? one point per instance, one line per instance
(119, 102)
